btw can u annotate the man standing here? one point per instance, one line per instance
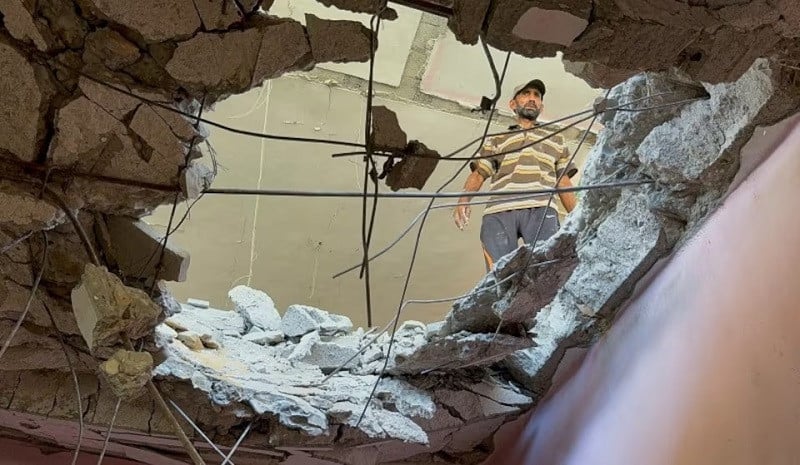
(519, 165)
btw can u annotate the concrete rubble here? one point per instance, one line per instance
(97, 101)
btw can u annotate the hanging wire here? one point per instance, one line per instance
(498, 87)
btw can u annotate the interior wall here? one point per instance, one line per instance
(290, 247)
(703, 366)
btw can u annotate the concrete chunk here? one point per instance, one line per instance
(264, 337)
(415, 168)
(459, 351)
(127, 372)
(256, 307)
(338, 41)
(302, 319)
(155, 20)
(24, 100)
(191, 340)
(467, 19)
(387, 135)
(105, 309)
(135, 248)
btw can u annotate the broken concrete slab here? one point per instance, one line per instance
(25, 89)
(415, 167)
(218, 14)
(137, 250)
(338, 41)
(467, 20)
(127, 372)
(110, 48)
(264, 337)
(21, 24)
(119, 105)
(520, 285)
(459, 351)
(626, 245)
(155, 20)
(387, 135)
(214, 65)
(256, 308)
(362, 6)
(106, 310)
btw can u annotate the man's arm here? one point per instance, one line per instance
(568, 199)
(462, 211)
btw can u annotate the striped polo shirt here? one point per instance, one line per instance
(519, 169)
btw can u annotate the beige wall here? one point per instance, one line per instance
(703, 367)
(290, 247)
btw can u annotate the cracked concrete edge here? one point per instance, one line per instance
(44, 399)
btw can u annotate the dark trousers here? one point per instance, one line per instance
(501, 232)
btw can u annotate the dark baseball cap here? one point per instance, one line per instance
(534, 84)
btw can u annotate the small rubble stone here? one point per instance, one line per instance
(127, 372)
(191, 340)
(176, 325)
(209, 342)
(256, 307)
(264, 337)
(106, 309)
(338, 41)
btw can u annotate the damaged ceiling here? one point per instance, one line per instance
(98, 126)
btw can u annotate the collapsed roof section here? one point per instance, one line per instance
(110, 155)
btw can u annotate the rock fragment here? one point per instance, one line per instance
(127, 372)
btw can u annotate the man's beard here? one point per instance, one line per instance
(527, 113)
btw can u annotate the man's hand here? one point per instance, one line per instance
(461, 215)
